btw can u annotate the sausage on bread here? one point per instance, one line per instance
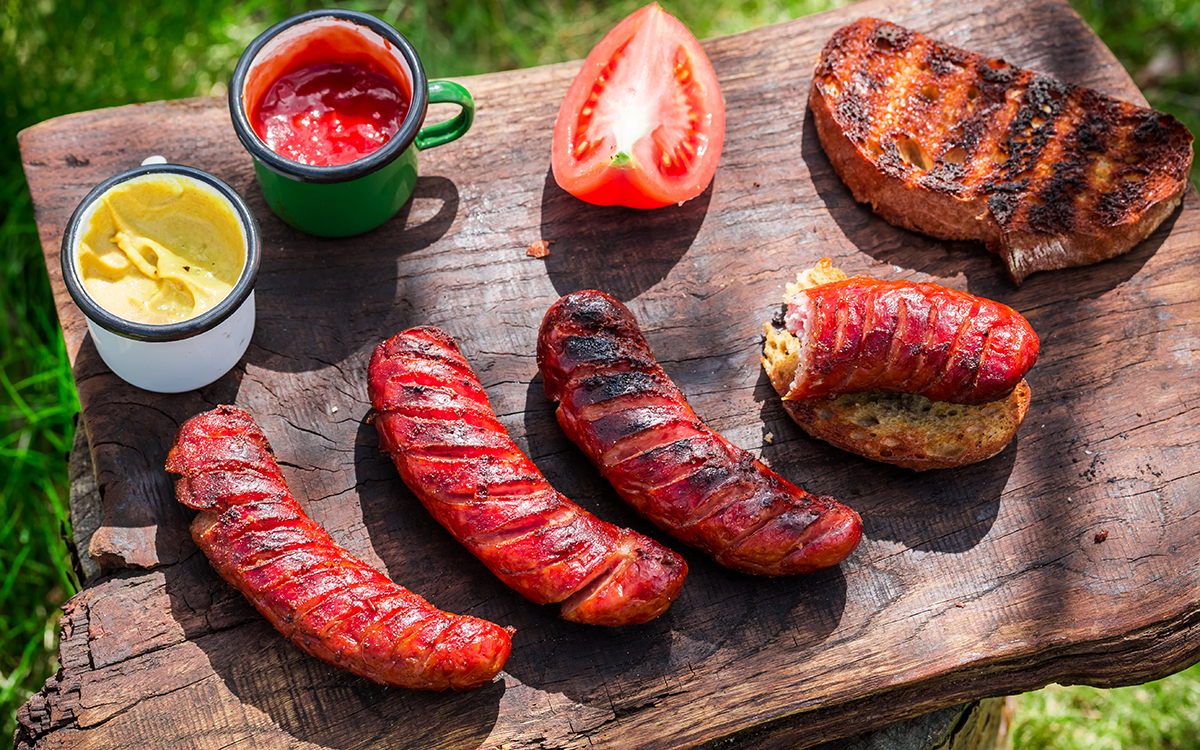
(915, 375)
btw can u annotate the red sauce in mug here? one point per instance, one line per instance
(329, 113)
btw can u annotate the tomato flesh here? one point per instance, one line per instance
(644, 121)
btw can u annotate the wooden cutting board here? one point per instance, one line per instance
(985, 580)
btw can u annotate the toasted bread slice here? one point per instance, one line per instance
(896, 428)
(949, 143)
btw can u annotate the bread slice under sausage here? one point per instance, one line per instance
(949, 143)
(896, 428)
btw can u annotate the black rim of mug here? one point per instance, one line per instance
(172, 331)
(370, 163)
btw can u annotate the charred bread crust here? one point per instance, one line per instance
(895, 428)
(948, 143)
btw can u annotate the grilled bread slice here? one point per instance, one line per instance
(895, 428)
(952, 144)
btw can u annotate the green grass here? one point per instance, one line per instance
(60, 56)
(36, 421)
(1162, 714)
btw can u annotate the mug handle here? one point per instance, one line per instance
(447, 92)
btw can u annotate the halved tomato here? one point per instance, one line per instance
(643, 123)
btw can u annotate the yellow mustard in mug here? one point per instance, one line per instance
(161, 249)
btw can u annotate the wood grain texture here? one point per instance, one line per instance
(978, 581)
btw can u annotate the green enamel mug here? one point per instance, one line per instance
(344, 199)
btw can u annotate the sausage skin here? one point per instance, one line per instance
(619, 406)
(330, 604)
(863, 334)
(435, 420)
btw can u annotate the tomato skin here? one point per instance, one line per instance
(643, 123)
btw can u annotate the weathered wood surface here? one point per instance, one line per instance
(984, 580)
(976, 725)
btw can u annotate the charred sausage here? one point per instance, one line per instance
(435, 420)
(619, 406)
(327, 602)
(863, 334)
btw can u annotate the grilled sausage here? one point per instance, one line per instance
(327, 602)
(863, 334)
(619, 406)
(434, 418)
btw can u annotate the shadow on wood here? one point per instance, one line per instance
(322, 299)
(308, 699)
(722, 612)
(617, 250)
(945, 511)
(142, 525)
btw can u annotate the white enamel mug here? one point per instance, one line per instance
(174, 357)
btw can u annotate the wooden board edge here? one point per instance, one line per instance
(1150, 654)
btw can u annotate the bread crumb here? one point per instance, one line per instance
(769, 438)
(539, 249)
(1101, 535)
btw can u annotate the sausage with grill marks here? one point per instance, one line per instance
(852, 358)
(864, 334)
(619, 406)
(324, 600)
(434, 418)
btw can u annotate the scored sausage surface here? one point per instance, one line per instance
(326, 601)
(434, 418)
(864, 334)
(619, 406)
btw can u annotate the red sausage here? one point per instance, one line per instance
(863, 334)
(619, 406)
(434, 418)
(330, 604)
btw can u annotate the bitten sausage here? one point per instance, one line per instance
(619, 406)
(863, 334)
(434, 418)
(330, 604)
